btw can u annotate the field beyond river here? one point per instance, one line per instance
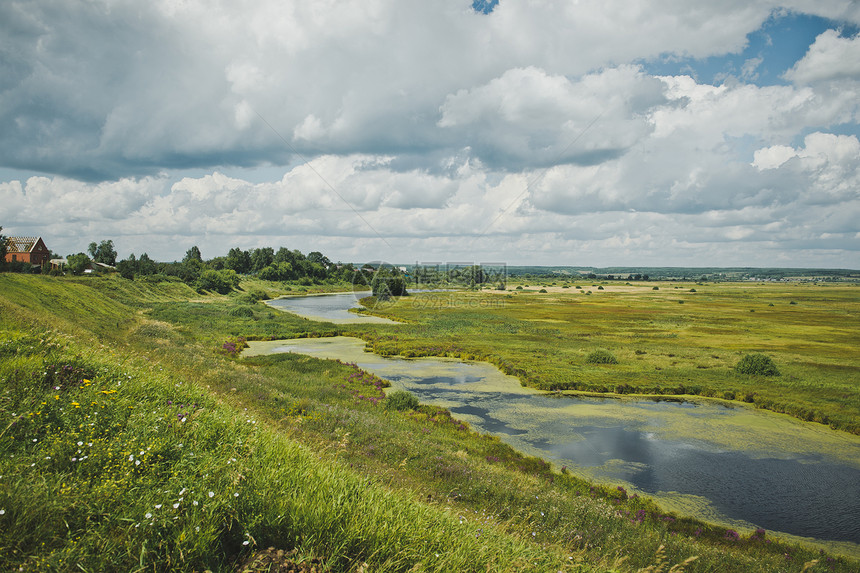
(665, 339)
(134, 436)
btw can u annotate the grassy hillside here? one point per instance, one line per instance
(133, 438)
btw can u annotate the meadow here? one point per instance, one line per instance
(134, 437)
(662, 339)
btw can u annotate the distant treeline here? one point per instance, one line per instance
(681, 273)
(222, 273)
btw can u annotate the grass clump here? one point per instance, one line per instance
(401, 400)
(757, 365)
(601, 357)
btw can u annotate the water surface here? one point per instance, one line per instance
(729, 464)
(333, 308)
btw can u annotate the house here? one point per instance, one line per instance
(27, 250)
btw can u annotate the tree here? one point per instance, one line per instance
(319, 258)
(193, 255)
(284, 255)
(262, 258)
(757, 364)
(146, 266)
(220, 281)
(78, 263)
(2, 250)
(386, 284)
(103, 252)
(238, 260)
(128, 267)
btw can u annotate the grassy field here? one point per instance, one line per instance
(134, 438)
(667, 338)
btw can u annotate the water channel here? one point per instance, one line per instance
(721, 462)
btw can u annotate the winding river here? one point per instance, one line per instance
(725, 463)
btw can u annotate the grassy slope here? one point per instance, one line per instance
(131, 375)
(662, 346)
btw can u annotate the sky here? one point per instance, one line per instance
(582, 133)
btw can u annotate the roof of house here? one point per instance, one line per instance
(21, 244)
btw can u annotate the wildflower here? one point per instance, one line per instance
(211, 494)
(175, 506)
(2, 512)
(194, 502)
(158, 506)
(80, 443)
(148, 515)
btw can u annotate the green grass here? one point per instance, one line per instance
(140, 409)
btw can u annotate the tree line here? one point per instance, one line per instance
(219, 274)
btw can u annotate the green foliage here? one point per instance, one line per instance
(103, 252)
(238, 260)
(401, 400)
(757, 364)
(387, 283)
(222, 281)
(242, 311)
(278, 272)
(193, 255)
(78, 263)
(601, 356)
(3, 247)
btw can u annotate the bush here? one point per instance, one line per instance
(601, 357)
(222, 281)
(242, 312)
(757, 364)
(401, 400)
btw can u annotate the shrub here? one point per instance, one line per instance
(222, 281)
(655, 288)
(757, 364)
(401, 400)
(601, 357)
(242, 312)
(542, 290)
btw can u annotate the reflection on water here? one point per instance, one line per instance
(328, 307)
(730, 464)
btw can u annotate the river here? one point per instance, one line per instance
(721, 462)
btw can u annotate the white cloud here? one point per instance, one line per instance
(830, 57)
(534, 130)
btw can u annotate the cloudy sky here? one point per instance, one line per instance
(569, 132)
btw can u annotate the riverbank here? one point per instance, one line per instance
(675, 339)
(422, 491)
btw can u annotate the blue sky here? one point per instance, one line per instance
(651, 132)
(780, 42)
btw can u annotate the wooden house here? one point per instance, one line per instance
(27, 250)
